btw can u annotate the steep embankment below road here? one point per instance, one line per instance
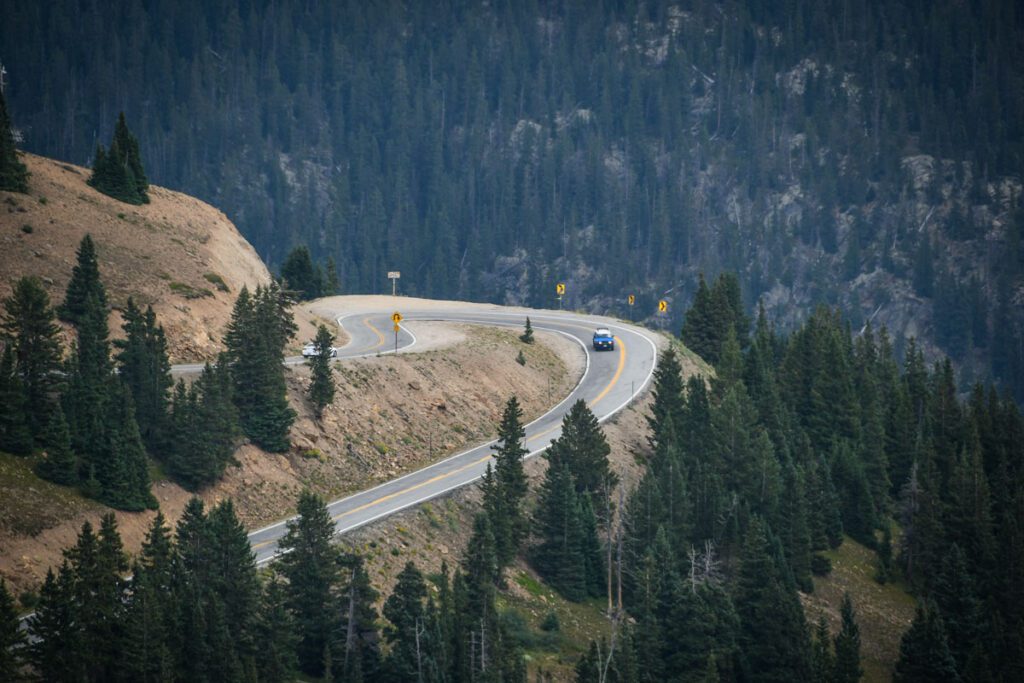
(392, 414)
(177, 253)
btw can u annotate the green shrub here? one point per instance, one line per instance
(217, 281)
(188, 291)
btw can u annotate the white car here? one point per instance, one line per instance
(309, 350)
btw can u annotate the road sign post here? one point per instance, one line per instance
(560, 290)
(662, 310)
(631, 300)
(393, 275)
(396, 318)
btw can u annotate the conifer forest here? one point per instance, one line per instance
(865, 155)
(824, 197)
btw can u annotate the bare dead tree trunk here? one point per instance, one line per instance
(350, 631)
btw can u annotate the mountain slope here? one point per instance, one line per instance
(177, 253)
(866, 155)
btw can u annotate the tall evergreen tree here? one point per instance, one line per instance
(668, 396)
(924, 652)
(28, 324)
(56, 648)
(773, 633)
(583, 448)
(847, 645)
(146, 370)
(559, 557)
(406, 609)
(13, 174)
(85, 282)
(357, 651)
(275, 636)
(204, 423)
(300, 275)
(15, 435)
(12, 639)
(699, 332)
(117, 172)
(261, 324)
(823, 662)
(60, 465)
(321, 386)
(311, 565)
(510, 485)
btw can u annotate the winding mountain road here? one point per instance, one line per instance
(610, 381)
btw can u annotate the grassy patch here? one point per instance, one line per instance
(188, 291)
(529, 614)
(884, 612)
(30, 504)
(217, 281)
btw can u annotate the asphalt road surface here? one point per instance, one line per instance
(610, 381)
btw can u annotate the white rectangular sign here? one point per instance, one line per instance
(394, 275)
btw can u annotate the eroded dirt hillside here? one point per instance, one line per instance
(177, 253)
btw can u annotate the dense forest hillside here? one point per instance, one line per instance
(866, 155)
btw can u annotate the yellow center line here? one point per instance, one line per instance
(380, 337)
(382, 499)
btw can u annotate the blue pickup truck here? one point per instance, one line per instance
(603, 339)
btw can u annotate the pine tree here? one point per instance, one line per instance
(204, 423)
(13, 174)
(773, 633)
(823, 662)
(146, 370)
(234, 580)
(60, 465)
(559, 557)
(359, 658)
(124, 469)
(963, 615)
(924, 652)
(117, 172)
(321, 386)
(97, 564)
(405, 608)
(480, 566)
(300, 275)
(275, 635)
(55, 631)
(15, 436)
(261, 325)
(583, 448)
(699, 333)
(12, 639)
(310, 564)
(150, 622)
(85, 282)
(28, 322)
(668, 396)
(847, 645)
(510, 483)
(527, 336)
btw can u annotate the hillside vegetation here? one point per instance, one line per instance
(862, 154)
